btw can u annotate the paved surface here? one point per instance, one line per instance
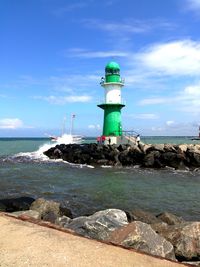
(27, 244)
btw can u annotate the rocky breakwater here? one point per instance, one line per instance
(145, 155)
(164, 235)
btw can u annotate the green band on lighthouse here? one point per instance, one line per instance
(112, 119)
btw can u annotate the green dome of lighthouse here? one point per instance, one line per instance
(112, 65)
(112, 72)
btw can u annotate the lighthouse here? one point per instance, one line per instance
(112, 105)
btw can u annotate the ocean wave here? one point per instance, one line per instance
(38, 155)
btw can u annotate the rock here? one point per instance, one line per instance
(141, 236)
(49, 210)
(142, 216)
(182, 148)
(170, 218)
(16, 204)
(193, 157)
(179, 157)
(2, 207)
(145, 148)
(136, 155)
(159, 227)
(159, 147)
(169, 148)
(186, 240)
(172, 159)
(100, 224)
(151, 160)
(30, 213)
(63, 221)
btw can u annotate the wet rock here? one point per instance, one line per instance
(100, 224)
(142, 216)
(186, 240)
(16, 204)
(151, 160)
(193, 157)
(170, 218)
(172, 159)
(141, 236)
(49, 210)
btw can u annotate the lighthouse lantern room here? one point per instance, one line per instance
(112, 84)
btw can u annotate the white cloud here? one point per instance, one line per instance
(69, 8)
(173, 58)
(61, 100)
(11, 123)
(193, 5)
(152, 101)
(157, 129)
(145, 116)
(189, 99)
(94, 126)
(169, 123)
(127, 26)
(82, 53)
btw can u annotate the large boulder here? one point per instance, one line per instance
(182, 148)
(16, 204)
(142, 216)
(170, 218)
(152, 160)
(100, 224)
(141, 236)
(193, 155)
(186, 240)
(49, 210)
(173, 159)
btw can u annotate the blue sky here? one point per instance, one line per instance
(53, 54)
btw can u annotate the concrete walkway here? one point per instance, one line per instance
(23, 243)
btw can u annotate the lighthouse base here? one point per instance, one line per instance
(117, 140)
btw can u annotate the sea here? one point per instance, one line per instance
(26, 171)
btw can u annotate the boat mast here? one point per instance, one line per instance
(72, 124)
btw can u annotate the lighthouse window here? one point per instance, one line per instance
(111, 71)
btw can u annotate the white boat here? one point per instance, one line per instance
(67, 138)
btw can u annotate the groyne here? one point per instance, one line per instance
(181, 157)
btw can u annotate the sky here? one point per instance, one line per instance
(53, 54)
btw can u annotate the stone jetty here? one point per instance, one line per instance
(163, 235)
(181, 157)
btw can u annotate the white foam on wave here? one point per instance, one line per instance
(38, 155)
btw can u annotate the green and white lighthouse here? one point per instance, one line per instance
(112, 84)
